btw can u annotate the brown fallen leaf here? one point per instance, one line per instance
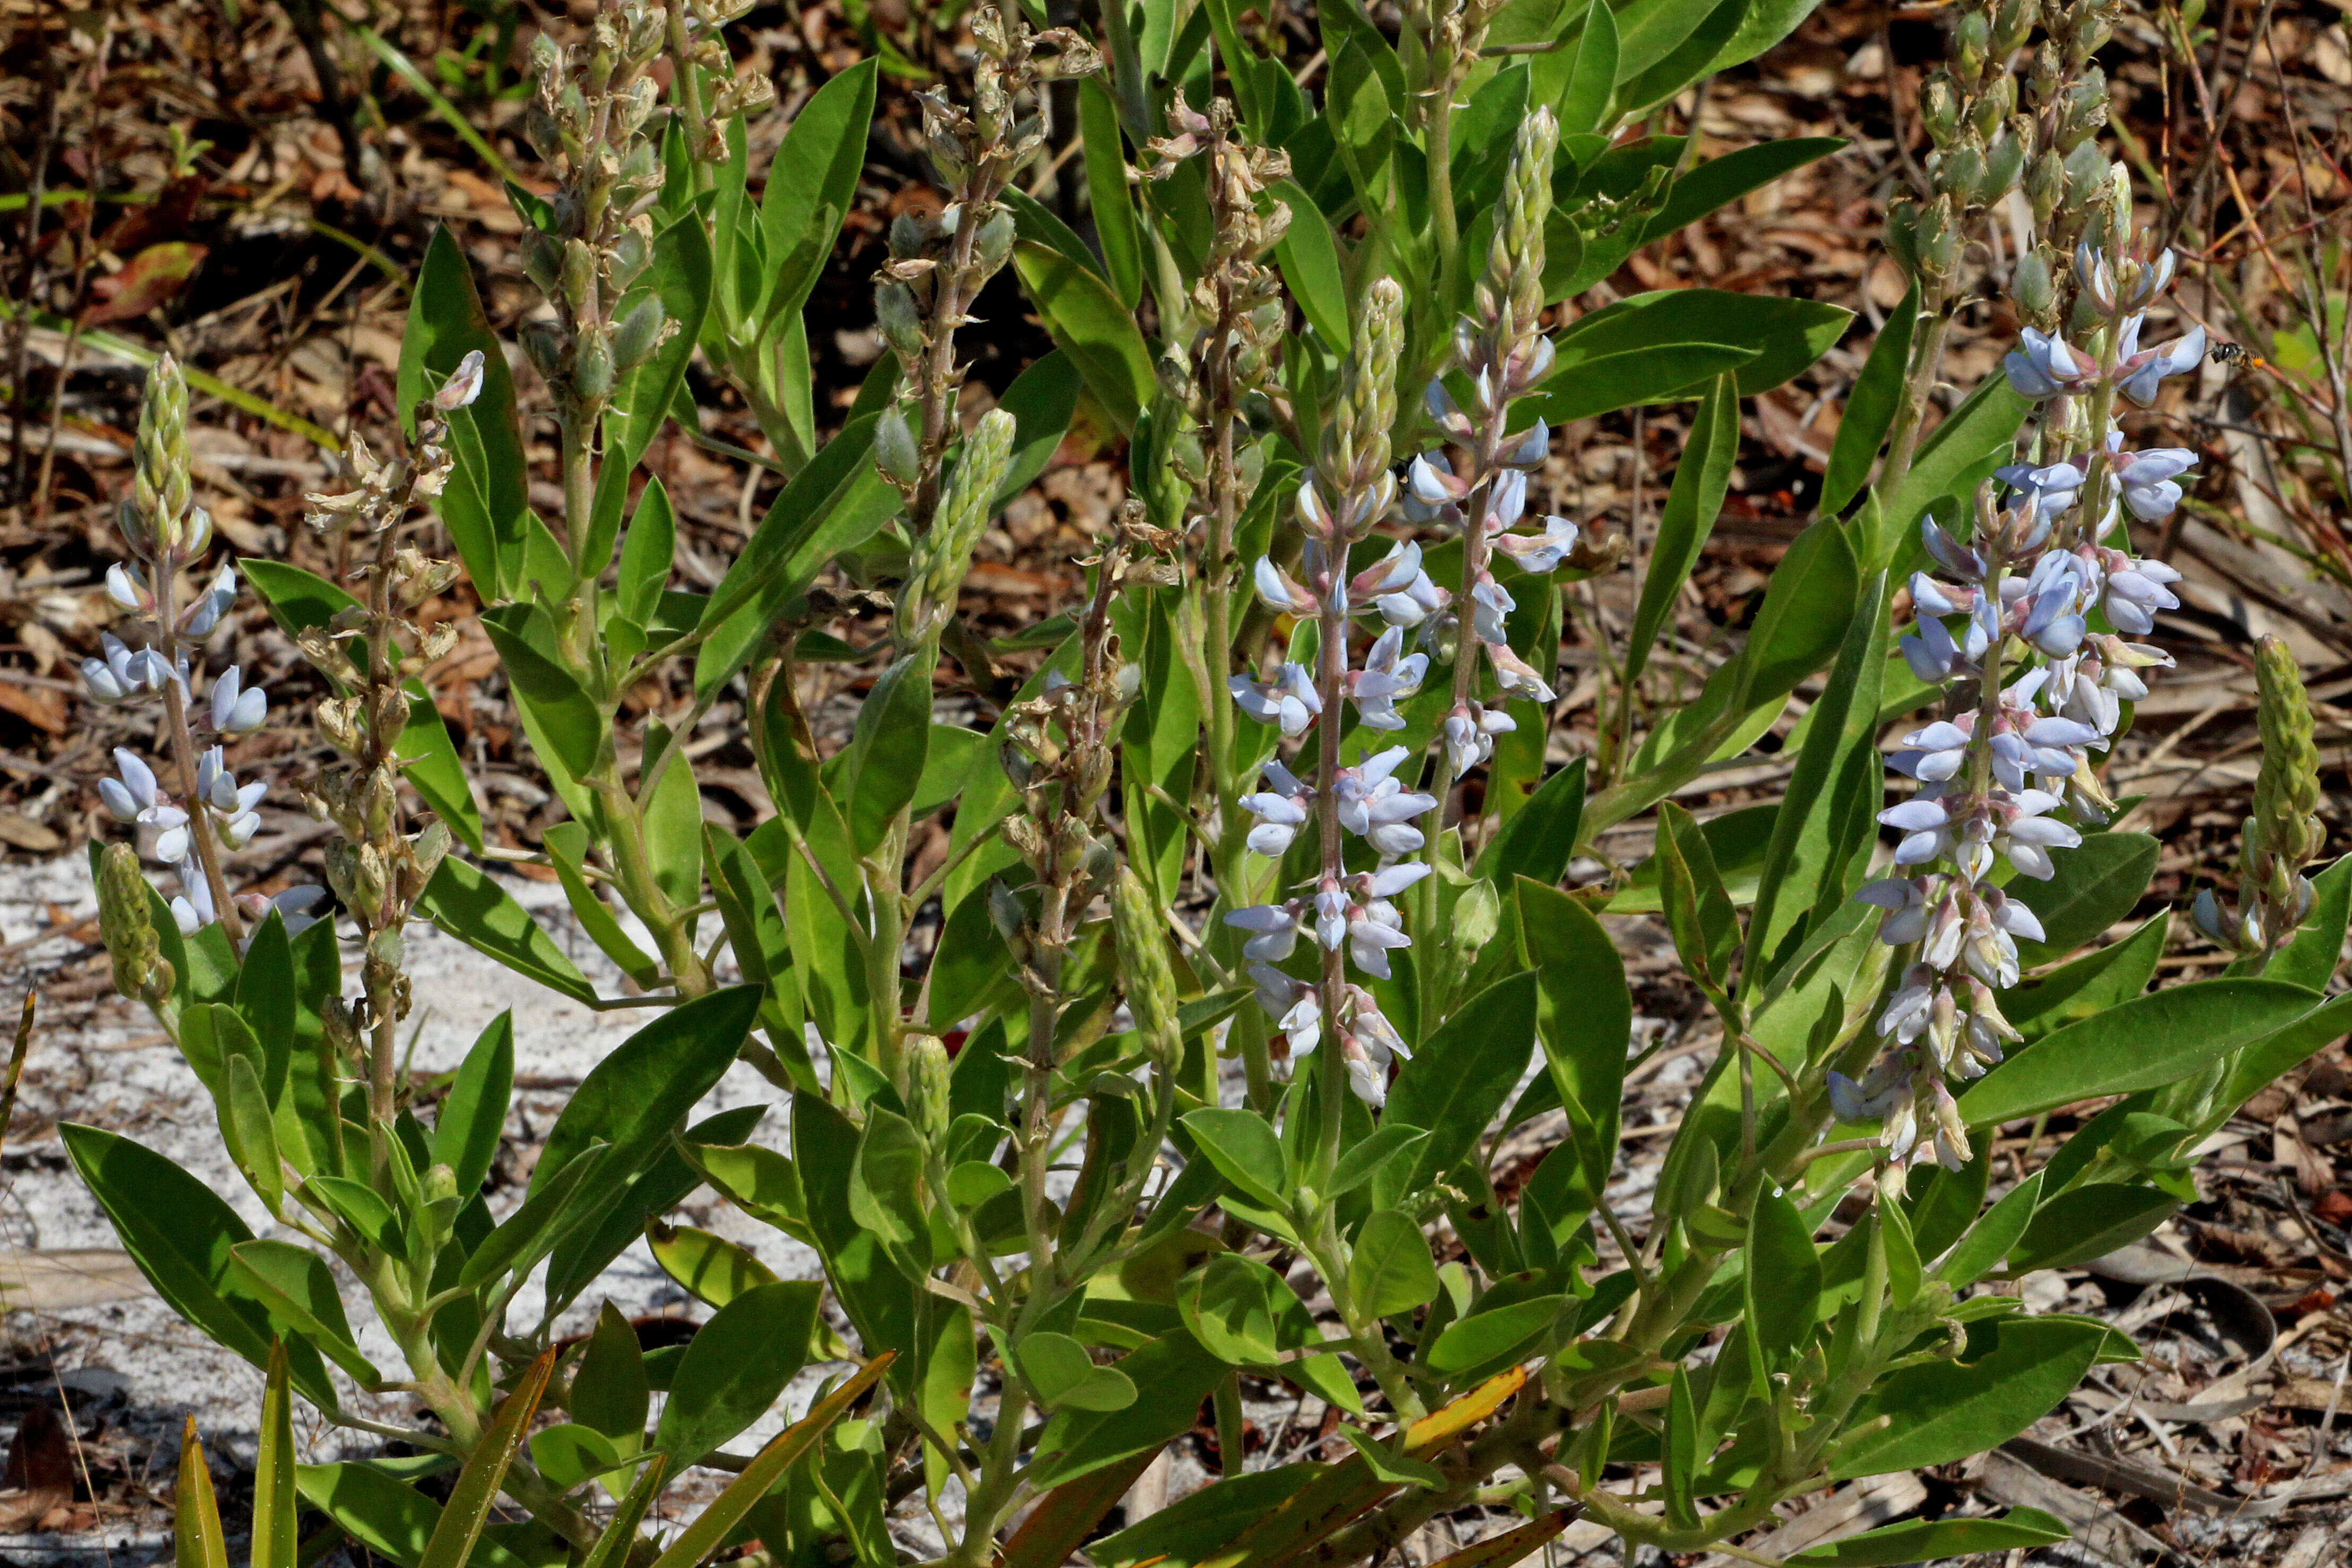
(43, 707)
(150, 277)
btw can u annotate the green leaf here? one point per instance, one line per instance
(2143, 1043)
(252, 1139)
(884, 764)
(1391, 1140)
(1693, 503)
(1988, 1241)
(886, 1185)
(1390, 1271)
(736, 1366)
(1870, 407)
(709, 1268)
(2091, 887)
(1042, 401)
(388, 1517)
(180, 1234)
(547, 692)
(1585, 1024)
(474, 1115)
(1172, 1375)
(1107, 193)
(1463, 1075)
(1089, 323)
(1230, 1304)
(2090, 1222)
(2311, 958)
(1687, 62)
(298, 600)
(1785, 335)
(609, 1392)
(1925, 1541)
(1652, 29)
(644, 397)
(1202, 1523)
(547, 1215)
(1719, 182)
(646, 555)
(1783, 1278)
(485, 504)
(1310, 265)
(1659, 372)
(1503, 1334)
(298, 1288)
(1538, 840)
(470, 904)
(644, 1088)
(477, 1488)
(566, 845)
(2270, 1057)
(838, 501)
(1828, 811)
(1941, 1412)
(1246, 1152)
(1698, 908)
(1585, 101)
(1065, 1377)
(1395, 1469)
(813, 184)
(2091, 984)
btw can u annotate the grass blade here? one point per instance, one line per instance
(406, 70)
(711, 1526)
(478, 1483)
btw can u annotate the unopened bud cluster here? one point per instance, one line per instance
(695, 47)
(1988, 138)
(941, 557)
(2283, 835)
(590, 118)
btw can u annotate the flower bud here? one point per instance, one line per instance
(591, 371)
(993, 246)
(577, 280)
(2031, 284)
(901, 322)
(894, 447)
(126, 922)
(639, 333)
(928, 1067)
(1145, 973)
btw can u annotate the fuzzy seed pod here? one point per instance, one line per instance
(1145, 973)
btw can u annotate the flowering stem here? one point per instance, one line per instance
(183, 757)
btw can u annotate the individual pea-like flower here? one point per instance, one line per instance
(1527, 449)
(1273, 928)
(1490, 601)
(199, 618)
(1372, 1043)
(463, 385)
(134, 800)
(1905, 899)
(1388, 673)
(1374, 930)
(1279, 591)
(1930, 652)
(192, 909)
(1517, 676)
(1281, 809)
(2025, 834)
(1430, 479)
(1376, 806)
(127, 585)
(237, 709)
(1295, 1006)
(1399, 589)
(2049, 489)
(122, 673)
(2054, 622)
(2045, 366)
(1289, 700)
(1469, 733)
(1544, 551)
(2135, 591)
(1925, 824)
(2139, 373)
(2149, 480)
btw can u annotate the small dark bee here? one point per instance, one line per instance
(2238, 354)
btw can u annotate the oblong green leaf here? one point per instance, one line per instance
(2141, 1044)
(1943, 1411)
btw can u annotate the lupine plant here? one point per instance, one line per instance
(1267, 911)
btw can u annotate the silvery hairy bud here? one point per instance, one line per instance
(1960, 170)
(592, 370)
(639, 333)
(1144, 971)
(901, 321)
(427, 851)
(993, 246)
(894, 447)
(928, 1067)
(1972, 39)
(631, 253)
(2004, 161)
(542, 260)
(577, 279)
(1940, 241)
(1009, 915)
(2032, 284)
(378, 801)
(2046, 185)
(2012, 24)
(1993, 106)
(542, 345)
